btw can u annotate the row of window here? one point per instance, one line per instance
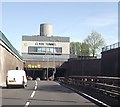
(52, 50)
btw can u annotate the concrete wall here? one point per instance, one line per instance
(119, 62)
(1, 67)
(8, 61)
(91, 67)
(110, 65)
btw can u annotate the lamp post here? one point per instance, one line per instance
(54, 59)
(47, 65)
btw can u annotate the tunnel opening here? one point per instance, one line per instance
(36, 73)
(39, 73)
(44, 73)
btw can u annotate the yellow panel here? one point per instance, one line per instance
(36, 66)
(39, 66)
(29, 65)
(33, 66)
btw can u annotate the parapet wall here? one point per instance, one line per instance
(88, 67)
(8, 59)
(110, 65)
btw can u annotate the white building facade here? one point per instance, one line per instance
(41, 47)
(45, 47)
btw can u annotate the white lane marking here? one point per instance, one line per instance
(91, 97)
(27, 104)
(35, 82)
(96, 100)
(35, 87)
(32, 95)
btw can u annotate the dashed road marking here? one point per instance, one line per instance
(35, 87)
(32, 95)
(35, 82)
(27, 104)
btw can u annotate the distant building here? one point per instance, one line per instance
(45, 50)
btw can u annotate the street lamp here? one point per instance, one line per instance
(47, 65)
(54, 60)
(53, 51)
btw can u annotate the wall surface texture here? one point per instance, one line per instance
(8, 61)
(110, 65)
(91, 67)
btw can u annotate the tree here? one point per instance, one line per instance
(72, 48)
(79, 49)
(75, 48)
(95, 42)
(84, 49)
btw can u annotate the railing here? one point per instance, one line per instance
(109, 47)
(109, 85)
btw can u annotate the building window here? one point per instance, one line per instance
(39, 49)
(58, 50)
(45, 50)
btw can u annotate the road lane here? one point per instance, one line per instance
(51, 93)
(17, 96)
(42, 93)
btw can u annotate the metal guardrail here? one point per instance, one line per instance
(109, 47)
(107, 85)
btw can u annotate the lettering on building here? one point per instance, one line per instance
(34, 66)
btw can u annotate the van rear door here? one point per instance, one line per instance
(16, 77)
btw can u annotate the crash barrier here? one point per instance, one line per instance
(107, 85)
(109, 47)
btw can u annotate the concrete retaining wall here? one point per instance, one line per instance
(108, 65)
(110, 62)
(8, 61)
(90, 67)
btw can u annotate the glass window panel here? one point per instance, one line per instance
(51, 50)
(43, 49)
(47, 50)
(39, 49)
(32, 49)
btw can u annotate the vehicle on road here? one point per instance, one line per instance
(16, 78)
(38, 79)
(29, 78)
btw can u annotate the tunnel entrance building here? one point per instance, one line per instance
(39, 69)
(44, 53)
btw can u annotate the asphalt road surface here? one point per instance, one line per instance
(42, 93)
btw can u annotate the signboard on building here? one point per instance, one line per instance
(34, 66)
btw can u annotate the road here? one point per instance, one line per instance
(42, 93)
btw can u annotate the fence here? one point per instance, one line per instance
(106, 85)
(109, 47)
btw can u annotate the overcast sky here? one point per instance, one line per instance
(75, 20)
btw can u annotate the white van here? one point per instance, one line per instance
(16, 78)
